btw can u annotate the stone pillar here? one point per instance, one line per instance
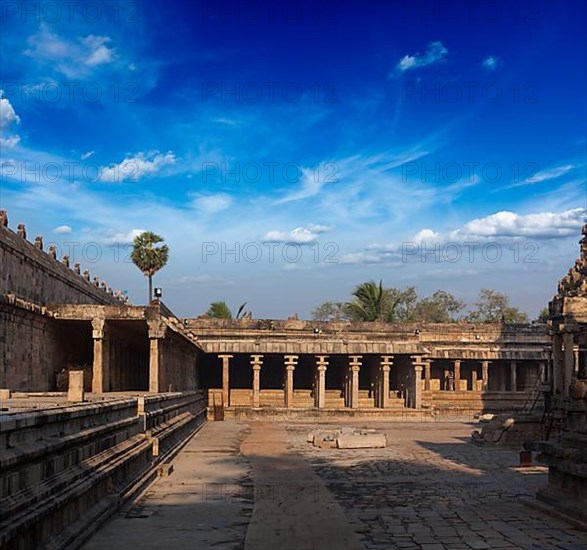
(513, 376)
(576, 355)
(225, 379)
(320, 392)
(485, 375)
(101, 365)
(427, 370)
(457, 374)
(156, 336)
(355, 367)
(256, 362)
(75, 389)
(290, 366)
(474, 378)
(416, 397)
(569, 363)
(386, 362)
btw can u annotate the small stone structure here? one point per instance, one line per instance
(347, 438)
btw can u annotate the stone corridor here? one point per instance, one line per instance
(261, 485)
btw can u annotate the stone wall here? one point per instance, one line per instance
(32, 274)
(31, 352)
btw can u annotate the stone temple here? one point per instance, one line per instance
(100, 401)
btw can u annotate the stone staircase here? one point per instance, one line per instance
(64, 470)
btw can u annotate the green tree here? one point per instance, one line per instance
(369, 302)
(400, 305)
(544, 315)
(494, 307)
(220, 310)
(441, 307)
(330, 311)
(149, 257)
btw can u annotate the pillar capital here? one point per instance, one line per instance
(418, 368)
(290, 359)
(321, 368)
(290, 367)
(256, 360)
(157, 328)
(385, 367)
(225, 356)
(386, 360)
(457, 362)
(322, 360)
(355, 360)
(99, 328)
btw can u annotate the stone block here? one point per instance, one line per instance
(4, 394)
(355, 441)
(75, 391)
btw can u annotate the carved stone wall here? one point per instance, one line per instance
(32, 274)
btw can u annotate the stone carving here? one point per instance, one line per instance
(96, 282)
(87, 275)
(574, 283)
(21, 231)
(3, 218)
(77, 269)
(66, 260)
(53, 252)
(493, 431)
(39, 242)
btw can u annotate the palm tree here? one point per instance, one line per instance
(369, 303)
(148, 257)
(220, 310)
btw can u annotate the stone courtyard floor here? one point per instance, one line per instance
(260, 485)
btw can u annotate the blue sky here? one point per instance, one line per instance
(422, 143)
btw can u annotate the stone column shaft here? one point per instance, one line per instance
(256, 362)
(514, 376)
(355, 367)
(290, 365)
(225, 379)
(386, 362)
(457, 374)
(485, 375)
(156, 335)
(427, 374)
(101, 362)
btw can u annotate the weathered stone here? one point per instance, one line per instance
(75, 391)
(358, 441)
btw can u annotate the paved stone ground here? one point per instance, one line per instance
(206, 502)
(429, 489)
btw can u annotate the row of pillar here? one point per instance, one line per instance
(421, 366)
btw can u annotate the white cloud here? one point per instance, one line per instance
(137, 167)
(193, 280)
(509, 224)
(299, 235)
(435, 53)
(62, 229)
(311, 183)
(98, 53)
(491, 62)
(501, 227)
(211, 204)
(544, 175)
(8, 118)
(72, 58)
(87, 155)
(113, 237)
(426, 235)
